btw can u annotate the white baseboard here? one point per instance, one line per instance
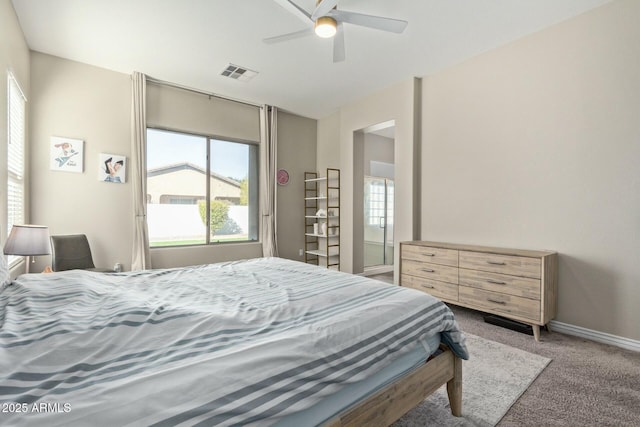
(597, 336)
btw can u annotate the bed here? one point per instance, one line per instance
(265, 341)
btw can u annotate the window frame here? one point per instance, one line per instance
(207, 197)
(15, 173)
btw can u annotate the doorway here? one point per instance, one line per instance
(378, 188)
(378, 223)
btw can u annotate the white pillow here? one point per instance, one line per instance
(5, 279)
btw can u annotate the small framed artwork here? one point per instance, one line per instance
(66, 154)
(112, 168)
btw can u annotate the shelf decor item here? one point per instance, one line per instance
(322, 218)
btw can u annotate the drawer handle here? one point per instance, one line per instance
(496, 263)
(427, 287)
(428, 254)
(428, 270)
(497, 302)
(496, 282)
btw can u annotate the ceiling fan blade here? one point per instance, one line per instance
(323, 8)
(288, 36)
(338, 45)
(376, 22)
(293, 8)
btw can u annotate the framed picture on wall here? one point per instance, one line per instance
(112, 168)
(66, 154)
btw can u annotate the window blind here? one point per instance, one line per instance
(190, 112)
(15, 156)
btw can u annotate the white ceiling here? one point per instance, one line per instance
(190, 42)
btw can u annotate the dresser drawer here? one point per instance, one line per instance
(502, 283)
(430, 254)
(443, 290)
(505, 264)
(441, 273)
(500, 303)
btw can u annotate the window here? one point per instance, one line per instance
(15, 157)
(192, 201)
(376, 202)
(378, 198)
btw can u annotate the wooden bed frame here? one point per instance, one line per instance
(396, 399)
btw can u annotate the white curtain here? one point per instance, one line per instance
(141, 259)
(268, 164)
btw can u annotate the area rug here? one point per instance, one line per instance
(493, 378)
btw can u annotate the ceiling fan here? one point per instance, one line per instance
(327, 22)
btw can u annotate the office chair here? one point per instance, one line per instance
(72, 252)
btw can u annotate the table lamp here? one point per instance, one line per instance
(28, 240)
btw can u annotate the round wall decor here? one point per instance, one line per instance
(283, 177)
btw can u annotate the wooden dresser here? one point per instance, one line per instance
(513, 283)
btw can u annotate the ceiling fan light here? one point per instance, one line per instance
(326, 27)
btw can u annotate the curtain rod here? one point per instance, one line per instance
(201, 92)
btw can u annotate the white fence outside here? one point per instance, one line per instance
(182, 222)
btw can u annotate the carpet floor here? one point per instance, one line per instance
(586, 383)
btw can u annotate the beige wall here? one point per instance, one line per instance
(79, 101)
(336, 147)
(14, 58)
(328, 148)
(536, 145)
(297, 154)
(377, 148)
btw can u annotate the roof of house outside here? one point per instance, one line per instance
(189, 166)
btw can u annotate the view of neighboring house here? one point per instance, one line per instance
(173, 212)
(182, 184)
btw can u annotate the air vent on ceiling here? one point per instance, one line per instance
(238, 73)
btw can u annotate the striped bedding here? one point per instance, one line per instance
(236, 343)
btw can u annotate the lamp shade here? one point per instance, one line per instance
(28, 240)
